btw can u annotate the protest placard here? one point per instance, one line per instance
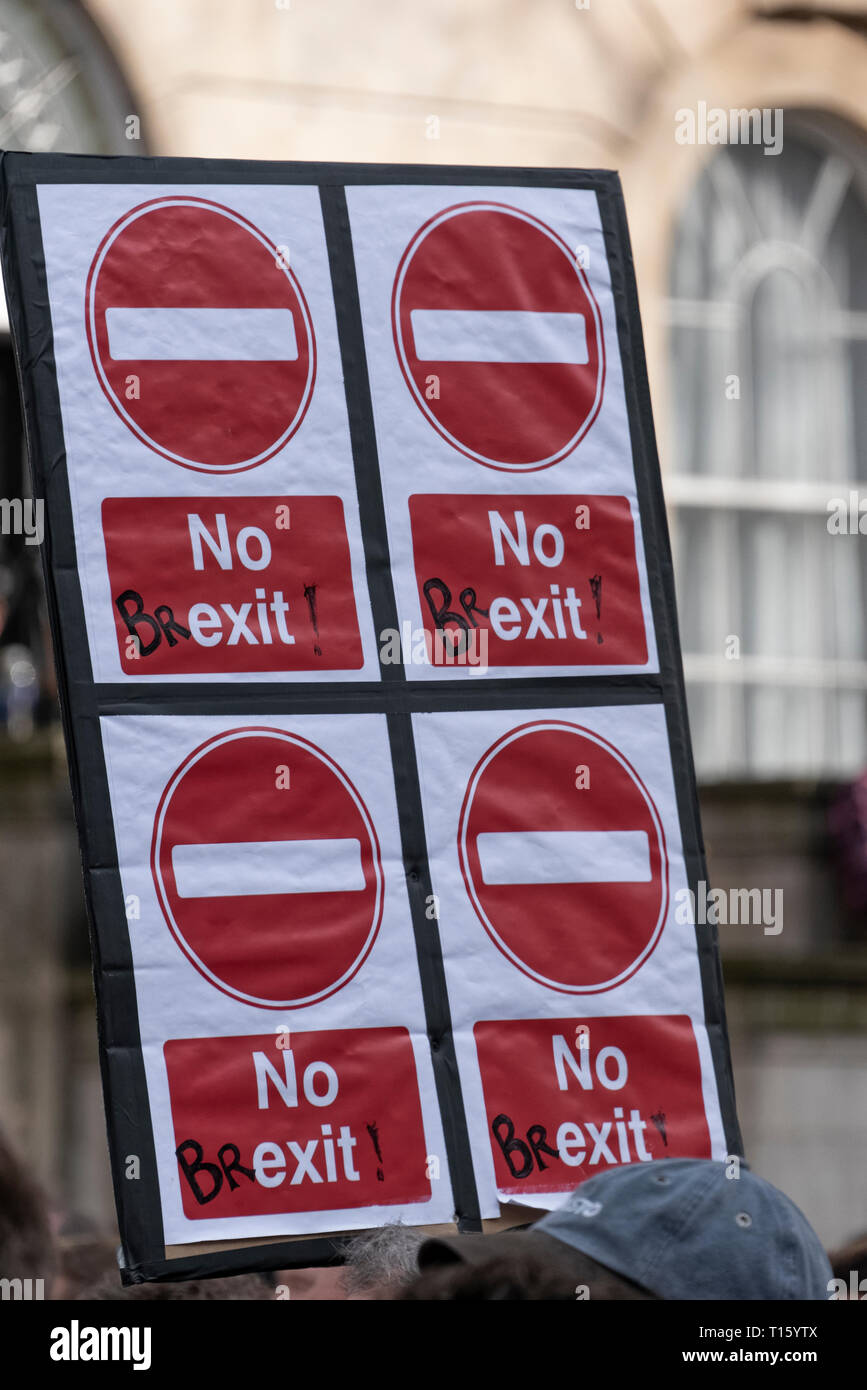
(361, 596)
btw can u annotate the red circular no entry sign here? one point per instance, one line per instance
(200, 334)
(563, 856)
(499, 336)
(267, 867)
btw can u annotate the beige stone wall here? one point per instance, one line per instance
(539, 82)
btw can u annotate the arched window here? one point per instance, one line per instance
(768, 356)
(60, 88)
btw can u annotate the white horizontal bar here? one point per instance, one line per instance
(498, 335)
(564, 856)
(201, 335)
(701, 313)
(789, 671)
(736, 494)
(252, 868)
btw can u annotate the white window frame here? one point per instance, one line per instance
(729, 497)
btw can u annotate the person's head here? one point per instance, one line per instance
(378, 1264)
(237, 1287)
(512, 1267)
(83, 1261)
(27, 1249)
(678, 1228)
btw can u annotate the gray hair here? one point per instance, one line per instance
(380, 1262)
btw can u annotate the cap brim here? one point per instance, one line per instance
(478, 1249)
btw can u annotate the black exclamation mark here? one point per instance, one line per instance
(659, 1120)
(595, 583)
(310, 595)
(374, 1139)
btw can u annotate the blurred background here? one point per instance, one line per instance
(753, 282)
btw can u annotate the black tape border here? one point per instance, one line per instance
(125, 1091)
(660, 573)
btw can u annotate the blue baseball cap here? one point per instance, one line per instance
(680, 1228)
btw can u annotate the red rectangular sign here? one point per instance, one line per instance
(332, 1120)
(552, 580)
(209, 585)
(565, 1098)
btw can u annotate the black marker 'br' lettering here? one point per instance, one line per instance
(190, 1170)
(470, 605)
(442, 614)
(235, 1166)
(166, 619)
(536, 1136)
(136, 617)
(510, 1145)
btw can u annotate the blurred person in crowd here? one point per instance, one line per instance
(376, 1265)
(27, 1246)
(676, 1228)
(379, 1264)
(519, 1275)
(85, 1260)
(235, 1288)
(323, 1283)
(849, 1265)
